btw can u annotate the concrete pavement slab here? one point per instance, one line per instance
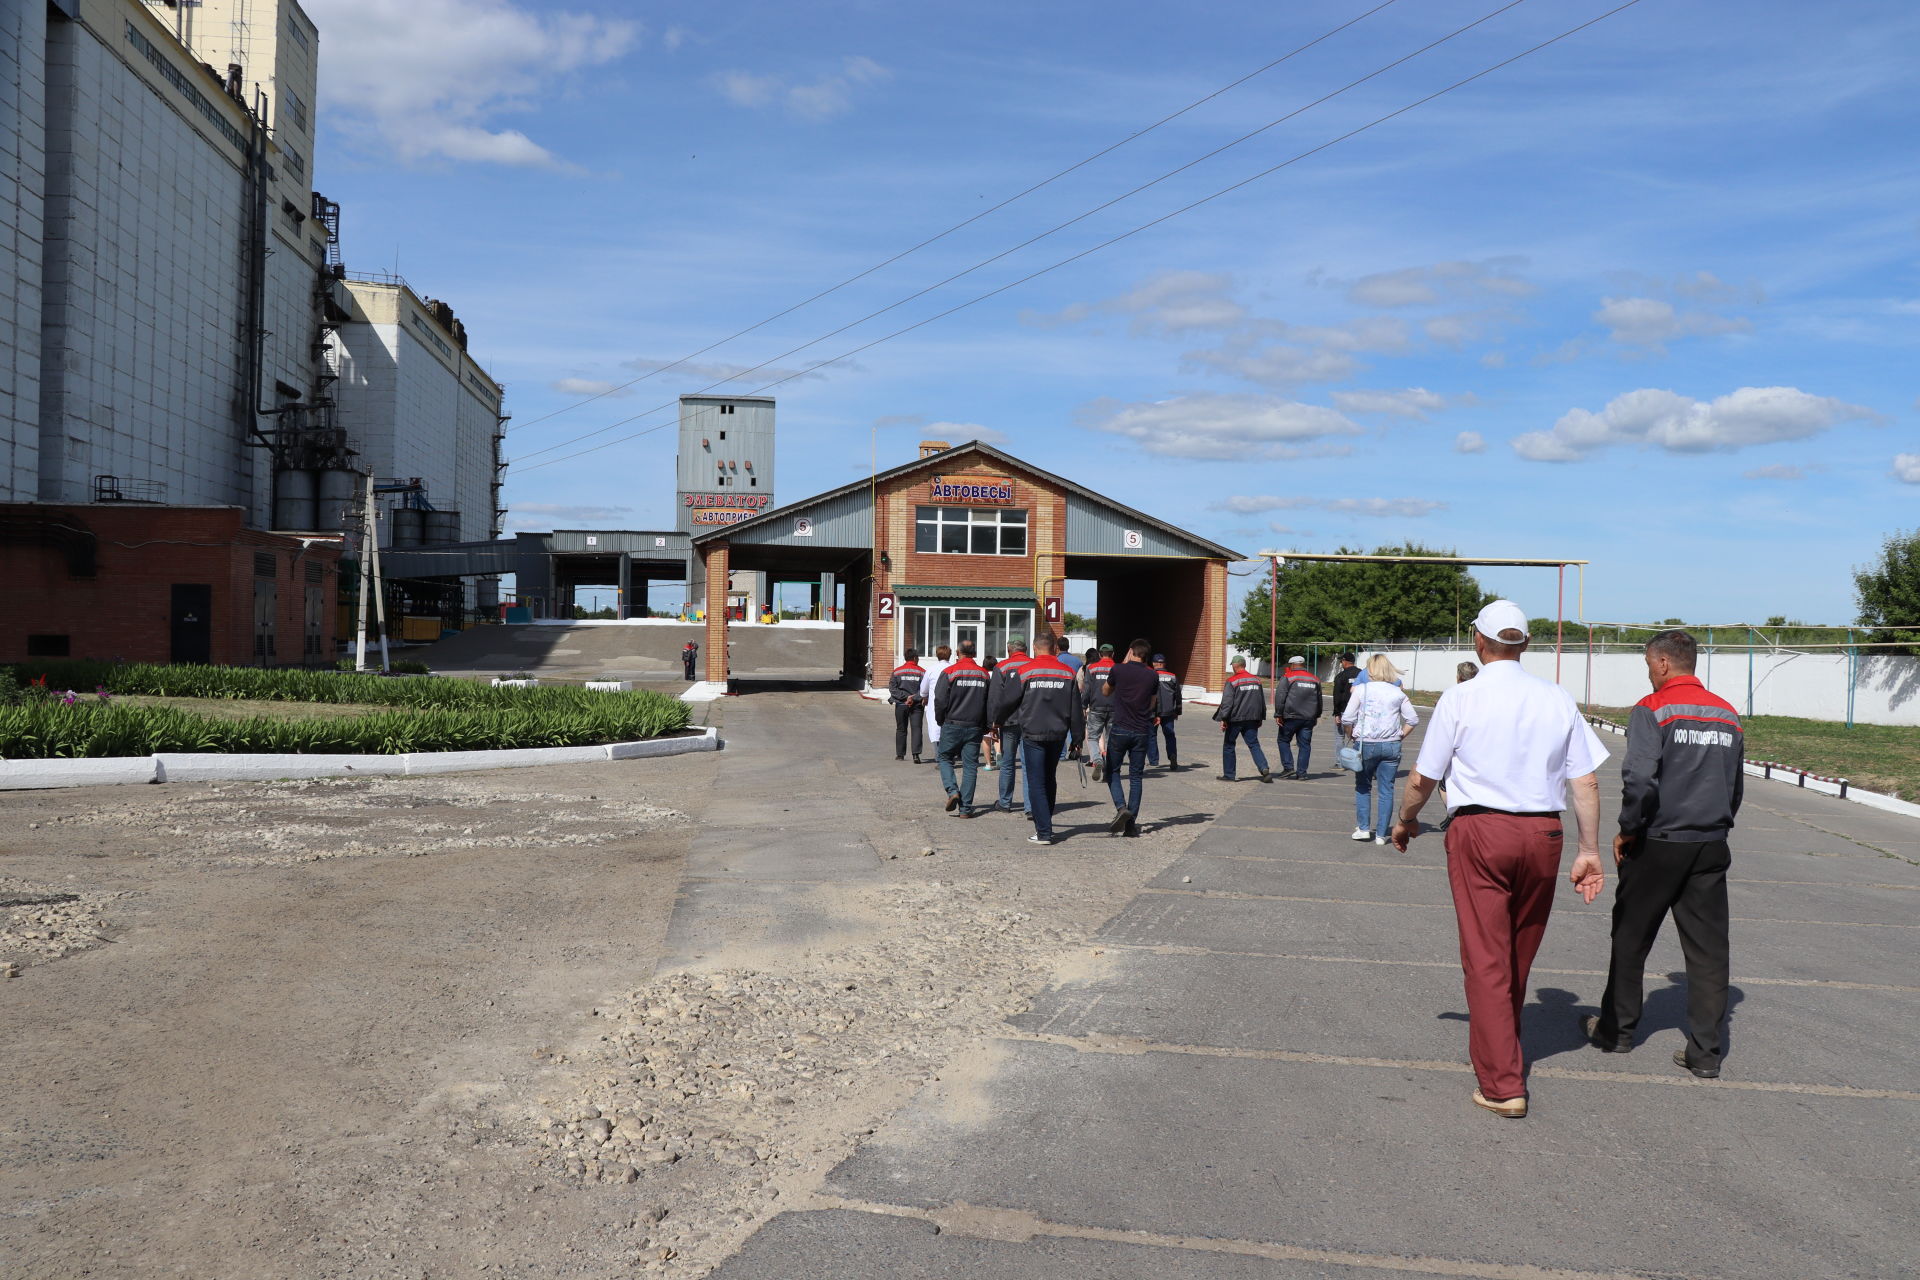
(1813, 1035)
(849, 1245)
(1693, 1179)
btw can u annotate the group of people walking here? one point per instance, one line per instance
(1038, 710)
(1508, 748)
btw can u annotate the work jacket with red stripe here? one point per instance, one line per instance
(1243, 700)
(1682, 777)
(1044, 700)
(1006, 676)
(960, 694)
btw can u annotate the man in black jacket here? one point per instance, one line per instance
(1681, 784)
(903, 692)
(960, 709)
(1296, 706)
(1046, 698)
(1170, 705)
(1343, 684)
(1242, 710)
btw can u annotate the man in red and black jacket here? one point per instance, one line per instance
(1006, 675)
(1093, 678)
(1681, 784)
(904, 693)
(960, 709)
(1046, 700)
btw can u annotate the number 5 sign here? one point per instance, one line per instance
(1053, 609)
(886, 602)
(1131, 539)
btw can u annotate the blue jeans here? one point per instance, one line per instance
(1290, 730)
(961, 741)
(1153, 744)
(1250, 730)
(1379, 762)
(1009, 763)
(1042, 761)
(1131, 747)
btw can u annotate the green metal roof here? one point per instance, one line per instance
(967, 597)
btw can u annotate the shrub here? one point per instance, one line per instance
(548, 718)
(263, 684)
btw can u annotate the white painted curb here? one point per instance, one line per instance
(24, 775)
(610, 686)
(705, 691)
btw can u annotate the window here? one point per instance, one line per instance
(991, 630)
(976, 531)
(754, 481)
(264, 566)
(49, 646)
(723, 435)
(725, 408)
(295, 108)
(298, 33)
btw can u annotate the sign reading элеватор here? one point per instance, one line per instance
(971, 489)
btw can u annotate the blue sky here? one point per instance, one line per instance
(1649, 297)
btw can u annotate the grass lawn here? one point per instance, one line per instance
(246, 708)
(1874, 757)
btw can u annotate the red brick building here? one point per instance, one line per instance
(971, 543)
(162, 584)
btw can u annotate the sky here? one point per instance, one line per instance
(1647, 297)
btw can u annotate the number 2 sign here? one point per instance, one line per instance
(886, 601)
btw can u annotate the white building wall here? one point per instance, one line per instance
(23, 102)
(145, 226)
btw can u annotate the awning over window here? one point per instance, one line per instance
(966, 597)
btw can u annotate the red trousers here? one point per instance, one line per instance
(1502, 869)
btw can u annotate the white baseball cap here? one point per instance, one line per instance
(1498, 616)
(1297, 658)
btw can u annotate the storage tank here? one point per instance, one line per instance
(442, 526)
(336, 498)
(293, 500)
(404, 525)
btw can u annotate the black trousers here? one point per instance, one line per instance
(905, 717)
(1688, 878)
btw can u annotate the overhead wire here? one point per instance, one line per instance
(965, 222)
(1053, 230)
(1207, 199)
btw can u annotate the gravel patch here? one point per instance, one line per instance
(41, 922)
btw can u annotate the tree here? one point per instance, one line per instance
(1356, 601)
(1888, 593)
(1078, 624)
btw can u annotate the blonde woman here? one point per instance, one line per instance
(1377, 717)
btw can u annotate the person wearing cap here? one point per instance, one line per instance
(1242, 710)
(1170, 704)
(1093, 678)
(903, 691)
(1681, 784)
(1510, 746)
(1296, 706)
(1007, 732)
(960, 707)
(1045, 698)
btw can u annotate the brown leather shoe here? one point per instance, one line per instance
(1511, 1108)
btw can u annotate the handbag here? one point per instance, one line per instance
(1348, 758)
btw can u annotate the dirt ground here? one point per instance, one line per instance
(415, 1027)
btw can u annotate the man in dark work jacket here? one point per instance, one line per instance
(1681, 784)
(904, 692)
(1046, 698)
(960, 709)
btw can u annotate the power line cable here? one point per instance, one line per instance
(1053, 230)
(965, 222)
(1125, 235)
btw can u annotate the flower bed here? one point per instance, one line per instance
(41, 719)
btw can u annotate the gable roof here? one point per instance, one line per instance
(947, 458)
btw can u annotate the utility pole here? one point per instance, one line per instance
(366, 576)
(379, 596)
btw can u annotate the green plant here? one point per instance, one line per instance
(539, 718)
(1356, 601)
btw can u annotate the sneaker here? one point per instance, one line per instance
(1096, 770)
(953, 801)
(1039, 839)
(1361, 833)
(1705, 1073)
(1265, 776)
(989, 768)
(1120, 820)
(1001, 806)
(1379, 839)
(1511, 1108)
(966, 811)
(1225, 777)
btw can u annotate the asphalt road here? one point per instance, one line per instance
(1257, 1071)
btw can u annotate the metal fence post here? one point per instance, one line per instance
(1749, 671)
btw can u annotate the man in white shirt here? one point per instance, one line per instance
(941, 660)
(1509, 745)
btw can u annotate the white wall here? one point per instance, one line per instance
(1811, 685)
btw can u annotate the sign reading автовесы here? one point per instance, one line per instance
(971, 489)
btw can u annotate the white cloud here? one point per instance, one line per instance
(588, 387)
(673, 37)
(1303, 353)
(1469, 442)
(1222, 426)
(1254, 504)
(821, 98)
(1414, 402)
(1179, 301)
(1423, 286)
(1681, 424)
(426, 78)
(961, 432)
(1906, 468)
(1649, 322)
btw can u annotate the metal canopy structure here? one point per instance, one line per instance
(1277, 558)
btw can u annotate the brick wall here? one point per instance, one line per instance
(124, 610)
